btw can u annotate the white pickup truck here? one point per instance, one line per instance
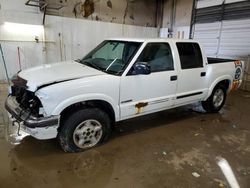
(79, 101)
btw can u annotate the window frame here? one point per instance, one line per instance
(201, 55)
(171, 52)
(100, 45)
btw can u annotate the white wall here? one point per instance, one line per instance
(181, 18)
(133, 12)
(181, 32)
(31, 53)
(77, 36)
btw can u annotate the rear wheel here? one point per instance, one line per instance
(216, 100)
(84, 129)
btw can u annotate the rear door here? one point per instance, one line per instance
(192, 73)
(142, 94)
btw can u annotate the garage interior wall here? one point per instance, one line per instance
(177, 17)
(64, 37)
(116, 11)
(61, 38)
(223, 27)
(70, 38)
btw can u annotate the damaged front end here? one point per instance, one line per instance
(25, 111)
(25, 98)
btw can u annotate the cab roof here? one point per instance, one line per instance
(152, 39)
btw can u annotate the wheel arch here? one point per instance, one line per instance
(103, 102)
(225, 80)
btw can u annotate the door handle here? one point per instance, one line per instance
(173, 78)
(203, 74)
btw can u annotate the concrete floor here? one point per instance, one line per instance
(160, 150)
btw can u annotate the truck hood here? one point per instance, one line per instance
(57, 72)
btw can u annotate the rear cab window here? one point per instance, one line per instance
(190, 55)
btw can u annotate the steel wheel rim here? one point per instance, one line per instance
(87, 134)
(218, 98)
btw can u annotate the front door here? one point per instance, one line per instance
(142, 94)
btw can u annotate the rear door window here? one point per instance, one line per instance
(190, 55)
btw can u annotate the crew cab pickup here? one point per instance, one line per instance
(79, 101)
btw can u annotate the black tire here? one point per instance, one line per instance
(209, 105)
(69, 125)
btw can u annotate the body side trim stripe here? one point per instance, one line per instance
(189, 95)
(126, 101)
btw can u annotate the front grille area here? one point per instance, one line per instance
(26, 99)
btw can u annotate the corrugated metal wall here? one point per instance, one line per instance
(229, 39)
(224, 30)
(208, 34)
(235, 39)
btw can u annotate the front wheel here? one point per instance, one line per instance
(84, 129)
(216, 100)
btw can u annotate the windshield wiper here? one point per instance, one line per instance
(78, 60)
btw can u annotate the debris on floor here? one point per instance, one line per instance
(220, 182)
(167, 141)
(234, 126)
(195, 174)
(246, 96)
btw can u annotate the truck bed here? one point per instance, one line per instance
(212, 60)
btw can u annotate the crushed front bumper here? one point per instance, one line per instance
(24, 124)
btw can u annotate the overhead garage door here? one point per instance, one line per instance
(223, 28)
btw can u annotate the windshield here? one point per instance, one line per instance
(111, 56)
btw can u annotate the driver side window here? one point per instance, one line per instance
(158, 56)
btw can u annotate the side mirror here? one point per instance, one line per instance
(141, 68)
